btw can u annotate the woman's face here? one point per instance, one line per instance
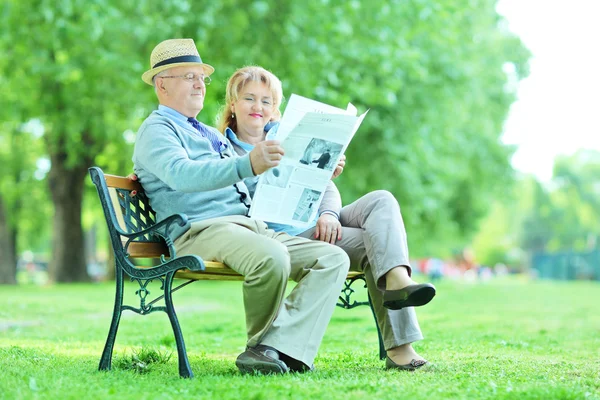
(254, 107)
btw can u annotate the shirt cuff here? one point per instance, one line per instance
(244, 167)
(331, 212)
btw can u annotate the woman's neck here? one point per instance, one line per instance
(250, 137)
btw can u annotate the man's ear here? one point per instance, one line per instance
(160, 84)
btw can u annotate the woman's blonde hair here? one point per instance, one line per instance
(235, 85)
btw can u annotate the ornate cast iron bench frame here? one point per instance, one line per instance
(135, 234)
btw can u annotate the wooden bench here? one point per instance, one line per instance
(135, 235)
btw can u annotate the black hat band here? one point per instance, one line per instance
(180, 59)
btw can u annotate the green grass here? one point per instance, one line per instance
(507, 339)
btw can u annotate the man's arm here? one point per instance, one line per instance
(160, 151)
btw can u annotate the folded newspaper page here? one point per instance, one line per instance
(314, 136)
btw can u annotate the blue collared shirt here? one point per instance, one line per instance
(234, 139)
(182, 121)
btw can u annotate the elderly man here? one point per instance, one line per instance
(188, 167)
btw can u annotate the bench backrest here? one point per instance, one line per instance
(125, 214)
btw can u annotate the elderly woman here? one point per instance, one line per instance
(370, 230)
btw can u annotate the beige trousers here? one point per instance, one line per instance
(295, 324)
(374, 237)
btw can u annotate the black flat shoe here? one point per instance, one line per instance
(413, 365)
(410, 296)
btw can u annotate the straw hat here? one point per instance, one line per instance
(174, 53)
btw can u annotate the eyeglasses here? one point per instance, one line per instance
(191, 78)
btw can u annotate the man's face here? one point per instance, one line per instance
(182, 89)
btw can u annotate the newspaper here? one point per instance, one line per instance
(314, 136)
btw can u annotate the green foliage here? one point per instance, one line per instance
(565, 214)
(437, 76)
(82, 58)
(21, 184)
(438, 79)
(71, 66)
(501, 340)
(561, 215)
(495, 238)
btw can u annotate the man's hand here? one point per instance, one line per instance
(328, 229)
(132, 177)
(340, 167)
(265, 155)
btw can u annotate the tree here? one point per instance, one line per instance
(22, 201)
(81, 58)
(435, 83)
(576, 193)
(8, 261)
(556, 216)
(433, 74)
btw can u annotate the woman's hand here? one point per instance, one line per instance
(340, 167)
(328, 229)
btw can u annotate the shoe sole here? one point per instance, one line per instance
(398, 367)
(262, 368)
(416, 299)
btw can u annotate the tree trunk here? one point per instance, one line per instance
(68, 263)
(8, 253)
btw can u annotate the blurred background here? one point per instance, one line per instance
(483, 119)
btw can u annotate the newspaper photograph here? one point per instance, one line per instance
(314, 136)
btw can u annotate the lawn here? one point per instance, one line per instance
(504, 339)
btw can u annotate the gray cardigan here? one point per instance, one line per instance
(181, 173)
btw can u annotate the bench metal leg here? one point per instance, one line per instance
(382, 352)
(105, 360)
(185, 371)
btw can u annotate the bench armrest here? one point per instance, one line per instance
(191, 262)
(161, 229)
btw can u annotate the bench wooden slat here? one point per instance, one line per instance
(121, 182)
(208, 276)
(147, 250)
(214, 270)
(218, 271)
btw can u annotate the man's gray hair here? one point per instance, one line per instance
(161, 73)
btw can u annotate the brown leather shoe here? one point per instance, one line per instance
(410, 296)
(413, 365)
(261, 360)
